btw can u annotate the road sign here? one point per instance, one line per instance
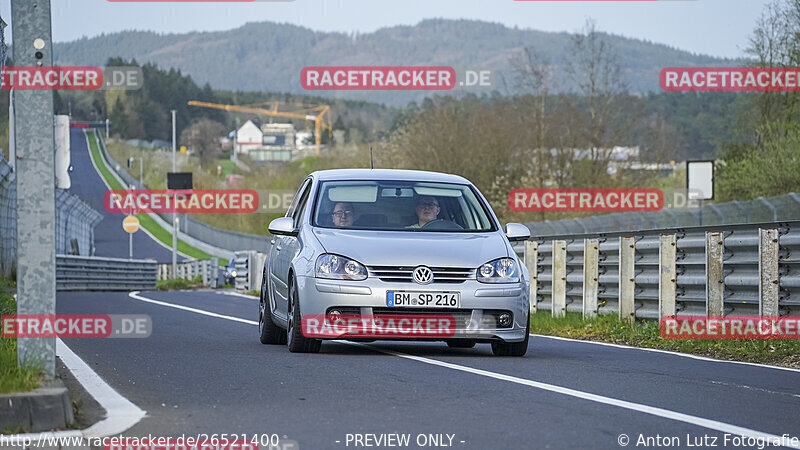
(130, 224)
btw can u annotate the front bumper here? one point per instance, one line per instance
(475, 319)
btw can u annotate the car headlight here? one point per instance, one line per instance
(337, 267)
(503, 270)
(233, 273)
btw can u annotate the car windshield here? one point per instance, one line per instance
(400, 206)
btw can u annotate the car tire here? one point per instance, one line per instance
(270, 333)
(296, 342)
(461, 343)
(513, 348)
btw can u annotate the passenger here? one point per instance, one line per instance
(427, 210)
(342, 214)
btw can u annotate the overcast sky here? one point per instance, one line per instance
(714, 27)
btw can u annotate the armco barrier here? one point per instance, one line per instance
(730, 269)
(81, 273)
(249, 269)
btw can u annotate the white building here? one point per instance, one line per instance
(266, 142)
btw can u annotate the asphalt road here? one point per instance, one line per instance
(110, 239)
(202, 374)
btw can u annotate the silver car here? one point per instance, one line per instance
(388, 244)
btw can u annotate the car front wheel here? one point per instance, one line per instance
(270, 333)
(513, 348)
(296, 341)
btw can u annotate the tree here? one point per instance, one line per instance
(203, 137)
(775, 43)
(119, 118)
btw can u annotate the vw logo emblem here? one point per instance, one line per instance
(423, 275)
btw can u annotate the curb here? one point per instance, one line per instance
(46, 408)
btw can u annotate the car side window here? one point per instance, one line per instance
(297, 197)
(301, 205)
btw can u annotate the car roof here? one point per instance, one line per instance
(387, 174)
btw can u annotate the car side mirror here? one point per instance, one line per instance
(517, 232)
(282, 226)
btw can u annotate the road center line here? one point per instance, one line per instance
(659, 412)
(638, 407)
(135, 295)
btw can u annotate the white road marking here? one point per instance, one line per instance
(654, 411)
(657, 350)
(638, 407)
(121, 414)
(135, 295)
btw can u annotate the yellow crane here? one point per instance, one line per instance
(317, 114)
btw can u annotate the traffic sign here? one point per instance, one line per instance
(131, 224)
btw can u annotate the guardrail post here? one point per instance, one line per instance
(591, 254)
(627, 282)
(667, 275)
(531, 263)
(214, 272)
(715, 281)
(204, 271)
(768, 275)
(559, 294)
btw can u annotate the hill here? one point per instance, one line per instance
(268, 56)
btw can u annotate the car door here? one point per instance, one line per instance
(283, 251)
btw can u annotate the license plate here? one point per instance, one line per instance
(405, 299)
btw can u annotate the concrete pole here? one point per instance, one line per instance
(35, 166)
(174, 215)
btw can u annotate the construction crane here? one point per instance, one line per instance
(302, 112)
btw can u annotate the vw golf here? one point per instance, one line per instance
(388, 245)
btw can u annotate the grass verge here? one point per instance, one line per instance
(12, 377)
(608, 328)
(180, 283)
(145, 220)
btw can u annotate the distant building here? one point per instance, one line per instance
(266, 142)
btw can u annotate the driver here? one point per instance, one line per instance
(342, 214)
(427, 210)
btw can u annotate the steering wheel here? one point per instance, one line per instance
(441, 224)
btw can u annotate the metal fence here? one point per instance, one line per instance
(698, 270)
(226, 239)
(773, 209)
(75, 222)
(208, 271)
(79, 273)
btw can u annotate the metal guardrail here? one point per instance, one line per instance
(717, 269)
(771, 209)
(249, 272)
(82, 273)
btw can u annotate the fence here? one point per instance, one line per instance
(739, 269)
(79, 273)
(207, 270)
(75, 222)
(773, 209)
(225, 239)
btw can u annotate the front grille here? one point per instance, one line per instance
(403, 274)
